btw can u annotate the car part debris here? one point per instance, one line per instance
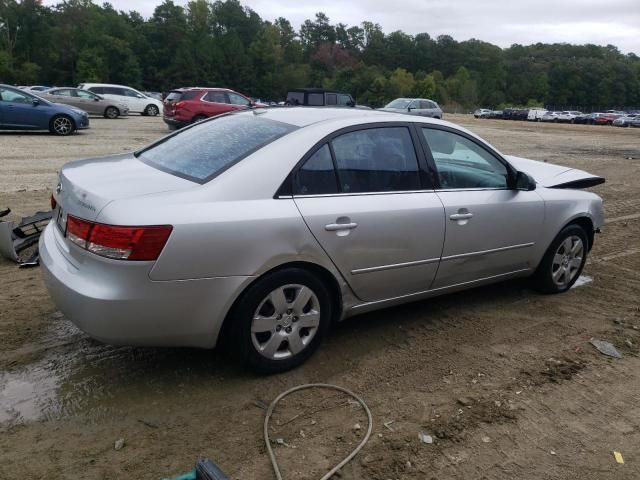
(605, 348)
(618, 457)
(16, 239)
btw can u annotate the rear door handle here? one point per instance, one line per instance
(461, 216)
(332, 227)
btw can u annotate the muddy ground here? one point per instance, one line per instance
(502, 378)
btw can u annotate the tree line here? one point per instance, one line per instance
(223, 43)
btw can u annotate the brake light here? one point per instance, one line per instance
(121, 243)
(53, 202)
(178, 105)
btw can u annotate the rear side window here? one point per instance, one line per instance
(332, 99)
(376, 160)
(174, 97)
(317, 176)
(215, 97)
(201, 152)
(98, 90)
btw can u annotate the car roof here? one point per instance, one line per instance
(86, 85)
(305, 116)
(315, 90)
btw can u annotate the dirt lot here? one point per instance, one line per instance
(504, 379)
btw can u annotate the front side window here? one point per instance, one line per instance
(376, 160)
(13, 96)
(132, 93)
(317, 176)
(236, 99)
(201, 152)
(83, 94)
(462, 163)
(97, 90)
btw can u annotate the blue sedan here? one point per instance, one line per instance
(20, 110)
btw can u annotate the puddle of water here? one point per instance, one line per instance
(582, 280)
(26, 395)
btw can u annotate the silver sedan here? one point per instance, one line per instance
(264, 227)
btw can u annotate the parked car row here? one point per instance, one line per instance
(610, 117)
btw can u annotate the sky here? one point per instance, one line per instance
(501, 22)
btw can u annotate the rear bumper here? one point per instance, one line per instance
(115, 302)
(174, 122)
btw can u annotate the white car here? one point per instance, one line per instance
(137, 101)
(482, 113)
(568, 116)
(536, 114)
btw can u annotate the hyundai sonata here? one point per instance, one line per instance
(264, 227)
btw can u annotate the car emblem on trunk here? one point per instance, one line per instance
(58, 188)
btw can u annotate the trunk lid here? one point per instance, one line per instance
(87, 186)
(554, 176)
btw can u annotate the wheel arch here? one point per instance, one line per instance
(320, 271)
(62, 114)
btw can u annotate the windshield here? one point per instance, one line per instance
(399, 103)
(201, 152)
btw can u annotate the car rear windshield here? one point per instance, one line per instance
(176, 96)
(203, 151)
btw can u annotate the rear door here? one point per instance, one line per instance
(491, 228)
(88, 102)
(214, 103)
(367, 202)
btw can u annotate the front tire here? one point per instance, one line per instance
(111, 113)
(62, 125)
(151, 111)
(563, 262)
(281, 320)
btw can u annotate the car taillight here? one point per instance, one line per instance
(121, 243)
(178, 105)
(53, 202)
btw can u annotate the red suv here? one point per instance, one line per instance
(187, 105)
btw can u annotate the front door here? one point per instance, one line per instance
(364, 200)
(491, 228)
(20, 111)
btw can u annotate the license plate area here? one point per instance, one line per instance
(61, 220)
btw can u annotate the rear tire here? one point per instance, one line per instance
(563, 262)
(281, 319)
(62, 125)
(111, 113)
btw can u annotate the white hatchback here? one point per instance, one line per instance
(137, 101)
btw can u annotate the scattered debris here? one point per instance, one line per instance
(357, 427)
(606, 348)
(148, 424)
(260, 404)
(486, 439)
(302, 434)
(388, 425)
(618, 457)
(16, 240)
(424, 438)
(313, 422)
(552, 452)
(628, 343)
(280, 441)
(465, 401)
(119, 444)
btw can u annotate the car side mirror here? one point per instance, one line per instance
(351, 103)
(409, 109)
(525, 182)
(35, 102)
(96, 99)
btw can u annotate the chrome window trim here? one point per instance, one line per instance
(354, 194)
(392, 266)
(487, 252)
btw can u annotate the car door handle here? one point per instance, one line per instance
(332, 227)
(461, 216)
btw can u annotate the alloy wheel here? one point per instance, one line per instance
(567, 261)
(285, 322)
(63, 126)
(152, 110)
